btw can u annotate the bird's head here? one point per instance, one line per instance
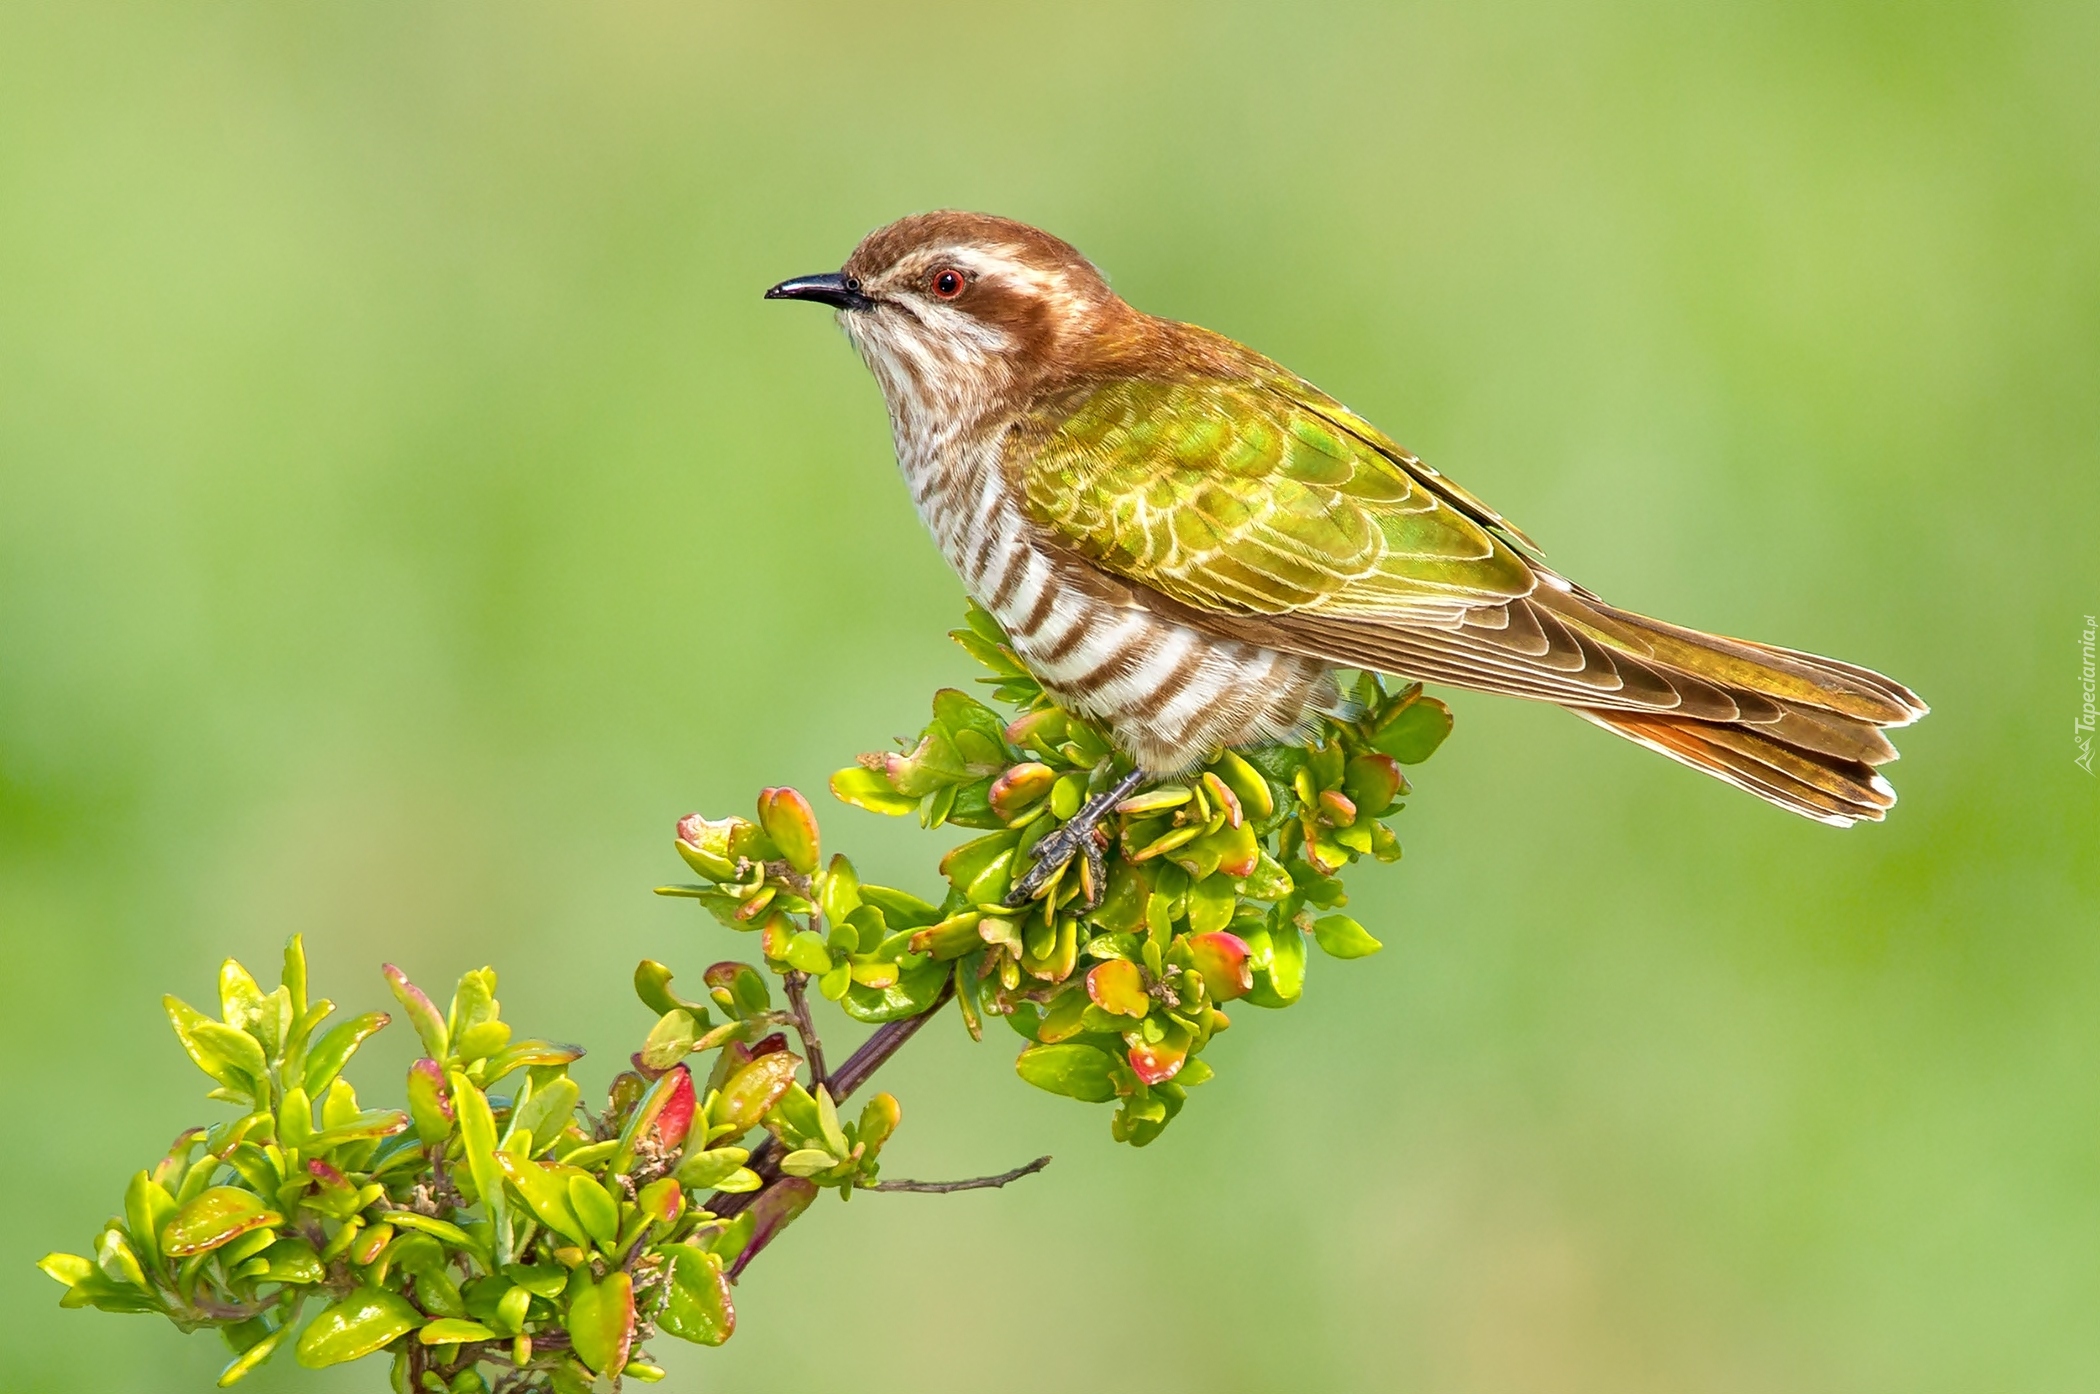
(959, 314)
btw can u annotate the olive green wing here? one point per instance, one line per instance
(1251, 497)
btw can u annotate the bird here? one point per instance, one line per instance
(1187, 542)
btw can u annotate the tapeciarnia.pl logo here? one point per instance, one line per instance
(2082, 729)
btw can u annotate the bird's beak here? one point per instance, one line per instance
(828, 288)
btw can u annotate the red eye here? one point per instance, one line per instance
(948, 283)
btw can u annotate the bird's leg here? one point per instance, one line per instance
(1075, 837)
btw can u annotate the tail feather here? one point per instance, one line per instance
(1796, 729)
(1814, 783)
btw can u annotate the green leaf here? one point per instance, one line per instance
(671, 1039)
(753, 1090)
(1278, 959)
(697, 1307)
(546, 1193)
(328, 1056)
(216, 1216)
(546, 1113)
(870, 790)
(595, 1207)
(473, 1003)
(529, 1055)
(1412, 733)
(429, 1103)
(901, 909)
(704, 1170)
(442, 1230)
(1341, 937)
(914, 992)
(477, 1132)
(1073, 1068)
(422, 1013)
(448, 1330)
(262, 1350)
(738, 989)
(363, 1322)
(291, 1259)
(68, 1270)
(652, 983)
(807, 1161)
(600, 1319)
(210, 1051)
(147, 1209)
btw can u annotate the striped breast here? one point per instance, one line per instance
(1172, 695)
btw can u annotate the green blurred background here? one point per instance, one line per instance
(408, 508)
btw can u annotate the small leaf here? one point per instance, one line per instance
(872, 791)
(366, 1320)
(147, 1209)
(442, 1230)
(671, 1039)
(600, 1319)
(1341, 937)
(231, 1057)
(704, 1170)
(698, 1307)
(652, 983)
(477, 1135)
(328, 1056)
(545, 1190)
(1156, 1062)
(752, 1091)
(422, 1013)
(448, 1330)
(1118, 986)
(738, 989)
(915, 990)
(595, 1208)
(217, 1216)
(1412, 732)
(429, 1102)
(1223, 960)
(1074, 1069)
(262, 1350)
(807, 1161)
(546, 1113)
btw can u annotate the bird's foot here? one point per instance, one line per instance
(1079, 836)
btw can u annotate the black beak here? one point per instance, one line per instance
(830, 288)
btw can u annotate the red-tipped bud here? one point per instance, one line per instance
(792, 824)
(1013, 792)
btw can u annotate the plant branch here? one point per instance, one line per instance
(806, 1028)
(874, 1052)
(975, 1183)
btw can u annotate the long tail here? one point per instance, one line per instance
(1795, 729)
(1814, 753)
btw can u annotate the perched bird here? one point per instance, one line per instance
(1188, 541)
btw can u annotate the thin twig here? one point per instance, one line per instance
(975, 1183)
(805, 1027)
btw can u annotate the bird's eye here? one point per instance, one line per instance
(948, 283)
(853, 284)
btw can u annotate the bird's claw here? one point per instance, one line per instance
(1053, 854)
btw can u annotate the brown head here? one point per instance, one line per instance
(959, 314)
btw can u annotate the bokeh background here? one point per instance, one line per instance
(408, 508)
